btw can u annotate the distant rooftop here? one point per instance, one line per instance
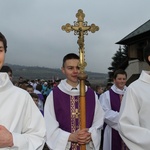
(137, 32)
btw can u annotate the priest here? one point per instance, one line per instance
(111, 102)
(62, 114)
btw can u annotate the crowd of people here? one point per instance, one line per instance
(41, 115)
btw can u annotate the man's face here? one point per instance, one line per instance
(30, 90)
(2, 54)
(71, 70)
(100, 90)
(120, 81)
(35, 100)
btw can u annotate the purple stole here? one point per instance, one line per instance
(66, 109)
(41, 97)
(117, 143)
(115, 105)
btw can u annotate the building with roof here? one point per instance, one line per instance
(136, 41)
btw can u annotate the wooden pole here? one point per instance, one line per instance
(82, 106)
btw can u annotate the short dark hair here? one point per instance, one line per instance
(39, 87)
(6, 69)
(119, 71)
(70, 56)
(146, 53)
(3, 39)
(29, 86)
(34, 95)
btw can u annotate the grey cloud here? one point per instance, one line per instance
(35, 38)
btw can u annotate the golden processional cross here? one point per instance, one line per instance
(81, 28)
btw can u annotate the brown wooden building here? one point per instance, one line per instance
(136, 41)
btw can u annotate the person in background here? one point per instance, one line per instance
(62, 116)
(35, 98)
(111, 101)
(45, 90)
(36, 101)
(40, 97)
(22, 126)
(29, 88)
(134, 122)
(57, 81)
(8, 70)
(99, 90)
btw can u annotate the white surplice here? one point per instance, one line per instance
(111, 116)
(57, 139)
(20, 115)
(134, 122)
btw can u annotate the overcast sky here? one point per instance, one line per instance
(35, 38)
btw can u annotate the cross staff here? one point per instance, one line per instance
(81, 28)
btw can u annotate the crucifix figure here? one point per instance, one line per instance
(81, 28)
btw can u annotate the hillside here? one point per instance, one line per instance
(36, 72)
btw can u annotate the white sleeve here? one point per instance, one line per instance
(56, 138)
(135, 136)
(111, 116)
(32, 131)
(97, 125)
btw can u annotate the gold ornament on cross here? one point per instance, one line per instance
(80, 28)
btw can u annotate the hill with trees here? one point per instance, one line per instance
(35, 72)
